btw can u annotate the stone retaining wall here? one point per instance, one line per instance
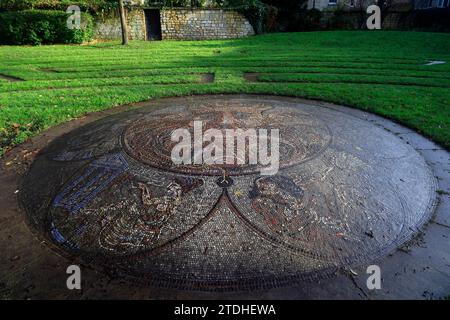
(181, 24)
(204, 24)
(109, 27)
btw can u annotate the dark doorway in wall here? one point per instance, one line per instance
(153, 23)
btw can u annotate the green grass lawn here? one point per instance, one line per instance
(382, 72)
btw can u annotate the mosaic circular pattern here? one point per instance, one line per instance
(346, 193)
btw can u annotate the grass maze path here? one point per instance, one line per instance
(381, 72)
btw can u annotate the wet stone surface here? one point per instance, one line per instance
(347, 193)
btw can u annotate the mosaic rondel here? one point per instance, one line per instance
(109, 193)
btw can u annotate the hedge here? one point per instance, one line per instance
(437, 19)
(35, 27)
(92, 6)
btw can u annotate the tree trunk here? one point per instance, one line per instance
(123, 23)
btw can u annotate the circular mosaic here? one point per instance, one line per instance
(346, 193)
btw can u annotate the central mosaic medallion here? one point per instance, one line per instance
(347, 192)
(148, 140)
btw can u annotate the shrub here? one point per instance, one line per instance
(342, 20)
(37, 27)
(254, 10)
(92, 6)
(307, 20)
(271, 19)
(289, 14)
(256, 14)
(431, 20)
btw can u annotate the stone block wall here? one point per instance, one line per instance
(180, 24)
(186, 24)
(108, 27)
